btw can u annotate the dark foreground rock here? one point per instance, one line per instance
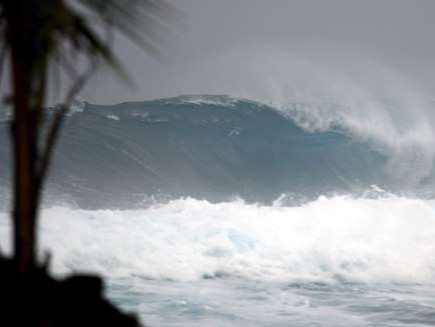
(41, 300)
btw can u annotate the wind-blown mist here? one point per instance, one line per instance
(374, 102)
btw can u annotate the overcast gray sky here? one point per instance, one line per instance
(226, 44)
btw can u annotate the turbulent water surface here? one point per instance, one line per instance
(219, 211)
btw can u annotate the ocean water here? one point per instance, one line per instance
(219, 211)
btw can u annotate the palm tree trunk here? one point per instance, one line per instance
(23, 47)
(24, 147)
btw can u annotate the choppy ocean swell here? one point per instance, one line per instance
(384, 240)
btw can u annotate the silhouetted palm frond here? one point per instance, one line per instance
(34, 36)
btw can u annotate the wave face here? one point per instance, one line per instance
(211, 147)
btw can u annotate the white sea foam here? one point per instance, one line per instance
(214, 100)
(389, 239)
(77, 106)
(113, 117)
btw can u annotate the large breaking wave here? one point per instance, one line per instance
(219, 148)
